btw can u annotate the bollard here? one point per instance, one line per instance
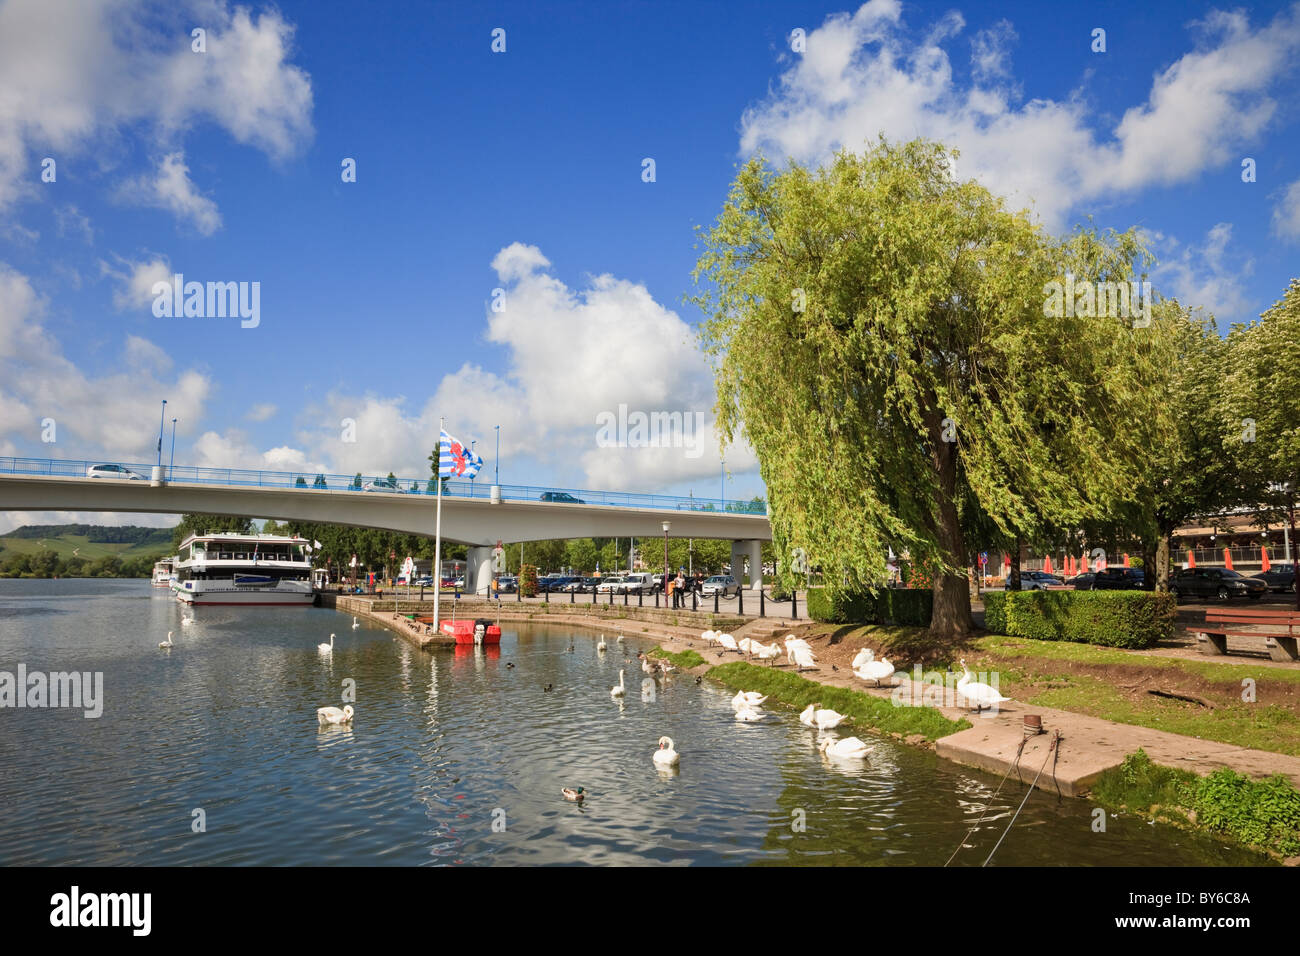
(573, 596)
(640, 599)
(656, 599)
(715, 602)
(762, 604)
(740, 596)
(519, 591)
(695, 604)
(794, 605)
(547, 592)
(625, 598)
(611, 596)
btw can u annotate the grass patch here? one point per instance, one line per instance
(1263, 814)
(684, 659)
(863, 710)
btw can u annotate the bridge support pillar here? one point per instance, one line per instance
(753, 550)
(478, 570)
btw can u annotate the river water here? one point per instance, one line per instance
(456, 758)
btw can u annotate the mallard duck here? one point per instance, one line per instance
(576, 794)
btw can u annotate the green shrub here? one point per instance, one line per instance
(894, 606)
(1109, 618)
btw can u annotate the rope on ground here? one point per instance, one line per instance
(1050, 750)
(962, 842)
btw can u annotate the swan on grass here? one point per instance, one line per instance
(620, 690)
(326, 648)
(167, 643)
(332, 715)
(849, 748)
(977, 694)
(666, 757)
(804, 659)
(875, 670)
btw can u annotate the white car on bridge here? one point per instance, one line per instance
(112, 471)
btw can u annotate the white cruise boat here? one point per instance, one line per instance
(162, 573)
(228, 568)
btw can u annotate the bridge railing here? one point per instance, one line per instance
(319, 481)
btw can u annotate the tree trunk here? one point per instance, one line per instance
(1013, 579)
(1290, 512)
(1162, 561)
(951, 619)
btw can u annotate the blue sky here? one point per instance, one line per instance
(522, 171)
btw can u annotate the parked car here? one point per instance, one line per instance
(425, 582)
(1119, 579)
(381, 484)
(1219, 583)
(641, 582)
(1083, 582)
(611, 583)
(507, 585)
(1038, 581)
(112, 471)
(1280, 578)
(723, 584)
(582, 585)
(560, 497)
(555, 582)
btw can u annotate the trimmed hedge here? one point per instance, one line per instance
(1107, 618)
(909, 606)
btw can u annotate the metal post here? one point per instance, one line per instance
(715, 602)
(656, 599)
(171, 462)
(161, 419)
(640, 599)
(547, 592)
(762, 604)
(497, 463)
(695, 604)
(625, 597)
(794, 605)
(740, 596)
(573, 596)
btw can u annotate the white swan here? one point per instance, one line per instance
(804, 658)
(978, 694)
(829, 719)
(355, 623)
(620, 690)
(601, 645)
(186, 621)
(168, 642)
(875, 670)
(768, 653)
(332, 715)
(666, 756)
(749, 714)
(809, 715)
(619, 639)
(849, 747)
(747, 698)
(326, 648)
(708, 636)
(865, 656)
(727, 641)
(745, 644)
(792, 644)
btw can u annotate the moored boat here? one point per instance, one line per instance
(252, 569)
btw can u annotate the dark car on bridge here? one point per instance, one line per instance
(1119, 579)
(1280, 578)
(1219, 583)
(561, 497)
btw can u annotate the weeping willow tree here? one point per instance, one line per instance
(879, 334)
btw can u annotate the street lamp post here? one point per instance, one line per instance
(162, 418)
(497, 463)
(471, 458)
(172, 460)
(667, 524)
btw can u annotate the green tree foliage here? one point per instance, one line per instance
(208, 524)
(879, 334)
(1262, 407)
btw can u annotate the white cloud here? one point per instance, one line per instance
(1286, 215)
(260, 413)
(172, 189)
(114, 414)
(1209, 275)
(137, 280)
(862, 75)
(75, 75)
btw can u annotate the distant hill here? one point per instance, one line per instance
(87, 540)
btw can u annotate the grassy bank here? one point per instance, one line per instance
(1209, 700)
(1262, 814)
(862, 709)
(684, 660)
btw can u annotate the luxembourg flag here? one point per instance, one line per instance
(456, 460)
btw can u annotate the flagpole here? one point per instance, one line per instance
(437, 538)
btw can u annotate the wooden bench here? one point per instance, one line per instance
(1281, 628)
